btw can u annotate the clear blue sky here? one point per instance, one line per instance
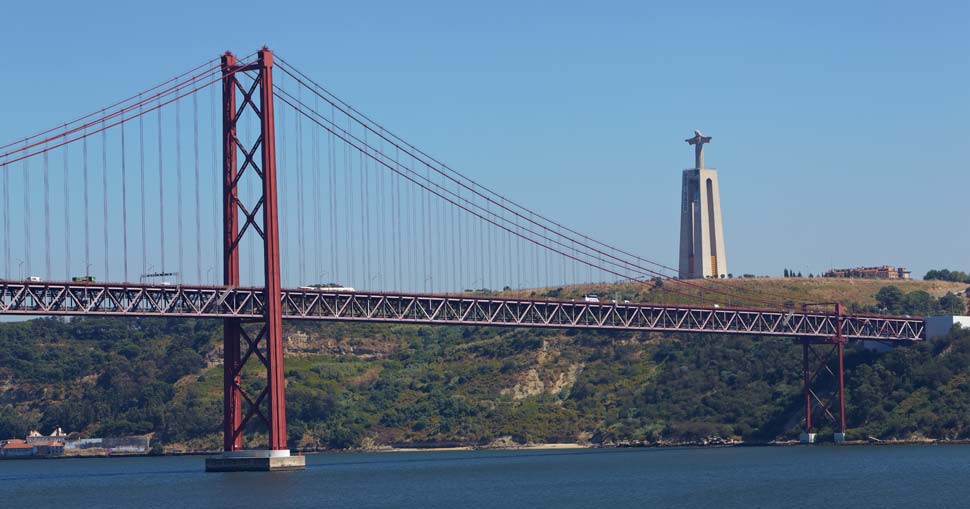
(840, 128)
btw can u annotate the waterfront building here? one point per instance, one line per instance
(48, 448)
(35, 437)
(16, 448)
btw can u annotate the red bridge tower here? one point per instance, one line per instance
(263, 336)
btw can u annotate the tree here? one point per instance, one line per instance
(951, 304)
(13, 424)
(919, 303)
(786, 273)
(948, 275)
(889, 298)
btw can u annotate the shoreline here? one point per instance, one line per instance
(526, 447)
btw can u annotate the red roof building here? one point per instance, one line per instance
(16, 448)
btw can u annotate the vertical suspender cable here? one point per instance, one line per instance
(538, 267)
(488, 250)
(87, 215)
(362, 253)
(575, 265)
(104, 197)
(318, 192)
(383, 266)
(374, 223)
(364, 213)
(482, 225)
(67, 217)
(454, 250)
(425, 235)
(47, 216)
(27, 193)
(518, 257)
(491, 251)
(413, 238)
(178, 186)
(124, 204)
(442, 242)
(396, 206)
(439, 269)
(198, 197)
(437, 261)
(469, 250)
(141, 181)
(332, 193)
(216, 218)
(563, 260)
(286, 233)
(348, 221)
(161, 191)
(6, 220)
(460, 251)
(422, 222)
(301, 212)
(547, 269)
(302, 193)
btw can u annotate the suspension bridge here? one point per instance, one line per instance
(243, 190)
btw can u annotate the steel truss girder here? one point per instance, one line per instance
(130, 299)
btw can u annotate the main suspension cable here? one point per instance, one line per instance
(286, 68)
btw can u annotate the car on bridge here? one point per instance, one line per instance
(332, 287)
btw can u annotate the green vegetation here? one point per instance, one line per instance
(891, 300)
(948, 275)
(365, 384)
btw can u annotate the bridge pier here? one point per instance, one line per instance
(255, 461)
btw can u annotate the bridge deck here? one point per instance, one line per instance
(130, 299)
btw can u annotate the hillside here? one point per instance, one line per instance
(364, 385)
(859, 293)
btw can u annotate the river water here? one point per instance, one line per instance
(829, 476)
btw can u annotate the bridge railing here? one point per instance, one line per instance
(130, 299)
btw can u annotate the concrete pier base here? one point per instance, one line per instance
(839, 438)
(807, 438)
(255, 461)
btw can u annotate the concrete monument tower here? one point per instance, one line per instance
(701, 232)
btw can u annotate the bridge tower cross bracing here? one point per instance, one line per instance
(825, 393)
(263, 335)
